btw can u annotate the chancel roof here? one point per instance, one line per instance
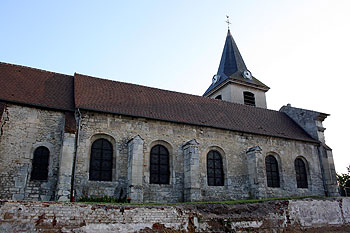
(232, 67)
(24, 85)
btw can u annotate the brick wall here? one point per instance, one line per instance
(307, 215)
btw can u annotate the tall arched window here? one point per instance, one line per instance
(159, 167)
(272, 174)
(300, 171)
(249, 98)
(40, 165)
(101, 161)
(215, 171)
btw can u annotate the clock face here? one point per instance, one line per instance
(246, 74)
(216, 78)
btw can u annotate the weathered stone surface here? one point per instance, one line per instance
(192, 190)
(232, 146)
(307, 215)
(257, 176)
(132, 139)
(316, 213)
(311, 122)
(26, 129)
(66, 168)
(135, 169)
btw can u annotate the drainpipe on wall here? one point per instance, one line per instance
(78, 119)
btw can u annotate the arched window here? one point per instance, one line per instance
(249, 98)
(40, 165)
(219, 97)
(272, 174)
(159, 169)
(300, 171)
(215, 169)
(101, 161)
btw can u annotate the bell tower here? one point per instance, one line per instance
(233, 81)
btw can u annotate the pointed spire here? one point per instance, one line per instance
(231, 59)
(232, 67)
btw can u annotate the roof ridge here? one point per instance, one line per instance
(32, 68)
(140, 85)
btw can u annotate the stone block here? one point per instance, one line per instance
(18, 197)
(346, 209)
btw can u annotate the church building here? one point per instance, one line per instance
(65, 137)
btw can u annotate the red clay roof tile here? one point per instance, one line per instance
(31, 86)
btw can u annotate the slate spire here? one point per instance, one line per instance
(231, 60)
(232, 67)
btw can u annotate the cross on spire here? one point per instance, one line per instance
(228, 21)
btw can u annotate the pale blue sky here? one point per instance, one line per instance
(300, 48)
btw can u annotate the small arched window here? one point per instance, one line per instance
(215, 169)
(301, 175)
(219, 97)
(159, 167)
(40, 165)
(101, 161)
(272, 174)
(249, 98)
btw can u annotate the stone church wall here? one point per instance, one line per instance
(23, 129)
(233, 147)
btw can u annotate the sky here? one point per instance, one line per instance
(299, 48)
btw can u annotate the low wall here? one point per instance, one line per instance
(332, 215)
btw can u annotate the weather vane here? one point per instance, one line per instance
(228, 21)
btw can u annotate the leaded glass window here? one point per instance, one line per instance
(101, 161)
(159, 165)
(300, 171)
(215, 169)
(40, 165)
(272, 174)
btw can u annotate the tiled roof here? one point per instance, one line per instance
(35, 87)
(31, 86)
(2, 109)
(134, 100)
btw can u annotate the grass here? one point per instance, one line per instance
(228, 202)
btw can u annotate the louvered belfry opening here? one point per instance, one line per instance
(40, 165)
(301, 175)
(101, 162)
(249, 98)
(159, 165)
(272, 173)
(215, 170)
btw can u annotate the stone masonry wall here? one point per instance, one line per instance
(311, 122)
(232, 146)
(24, 129)
(306, 215)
